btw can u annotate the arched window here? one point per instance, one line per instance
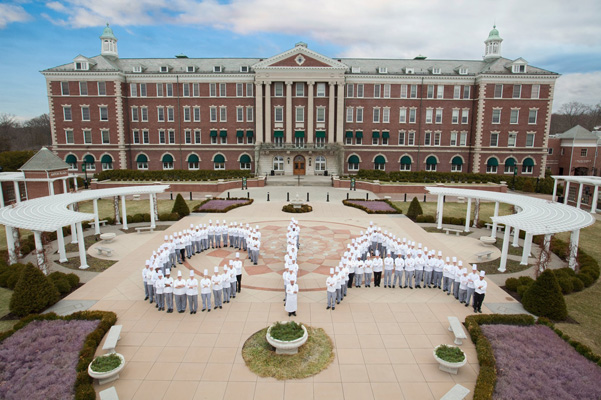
(527, 166)
(456, 164)
(491, 165)
(107, 162)
(353, 163)
(405, 163)
(218, 162)
(167, 161)
(278, 163)
(142, 161)
(380, 163)
(245, 161)
(193, 162)
(89, 162)
(320, 163)
(72, 161)
(510, 165)
(431, 163)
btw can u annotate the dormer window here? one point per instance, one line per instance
(383, 70)
(217, 68)
(410, 71)
(190, 69)
(244, 68)
(164, 68)
(355, 70)
(463, 71)
(81, 66)
(436, 71)
(137, 69)
(518, 68)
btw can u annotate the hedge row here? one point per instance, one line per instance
(349, 203)
(223, 210)
(84, 389)
(171, 175)
(523, 183)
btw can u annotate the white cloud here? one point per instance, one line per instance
(582, 87)
(10, 13)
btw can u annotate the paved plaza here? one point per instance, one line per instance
(383, 338)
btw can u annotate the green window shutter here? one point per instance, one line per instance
(359, 135)
(223, 133)
(321, 134)
(141, 158)
(193, 158)
(375, 134)
(528, 162)
(278, 134)
(510, 162)
(431, 160)
(406, 160)
(245, 158)
(380, 160)
(353, 159)
(89, 159)
(106, 159)
(167, 158)
(349, 134)
(219, 158)
(71, 159)
(299, 134)
(239, 133)
(386, 135)
(457, 160)
(249, 133)
(493, 162)
(213, 133)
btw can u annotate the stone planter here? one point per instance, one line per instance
(286, 347)
(109, 376)
(450, 367)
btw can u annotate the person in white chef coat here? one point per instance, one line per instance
(291, 297)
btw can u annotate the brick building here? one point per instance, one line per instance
(575, 152)
(300, 112)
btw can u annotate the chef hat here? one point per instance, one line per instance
(224, 222)
(404, 240)
(154, 253)
(361, 233)
(216, 269)
(474, 267)
(464, 271)
(166, 237)
(425, 249)
(454, 259)
(179, 273)
(210, 221)
(448, 259)
(180, 233)
(160, 272)
(147, 262)
(460, 263)
(167, 271)
(237, 255)
(248, 225)
(482, 273)
(206, 272)
(191, 272)
(331, 271)
(386, 232)
(371, 222)
(191, 225)
(388, 252)
(419, 245)
(170, 237)
(225, 268)
(231, 224)
(337, 269)
(439, 253)
(231, 262)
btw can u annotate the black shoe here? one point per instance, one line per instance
(406, 287)
(209, 311)
(480, 311)
(333, 308)
(191, 312)
(203, 310)
(294, 313)
(220, 307)
(411, 287)
(328, 307)
(151, 301)
(145, 298)
(289, 314)
(418, 287)
(156, 306)
(393, 286)
(466, 304)
(337, 302)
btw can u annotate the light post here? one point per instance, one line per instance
(85, 171)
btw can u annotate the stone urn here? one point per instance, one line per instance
(108, 376)
(450, 367)
(286, 347)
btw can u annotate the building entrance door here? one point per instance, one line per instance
(299, 165)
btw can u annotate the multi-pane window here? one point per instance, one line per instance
(511, 139)
(187, 117)
(213, 114)
(403, 115)
(359, 114)
(494, 139)
(498, 91)
(463, 139)
(453, 141)
(412, 115)
(496, 116)
(239, 114)
(386, 91)
(142, 164)
(196, 89)
(455, 117)
(349, 114)
(133, 90)
(411, 138)
(376, 114)
(65, 88)
(429, 115)
(413, 91)
(169, 87)
(320, 163)
(83, 88)
(105, 136)
(385, 138)
(491, 168)
(278, 89)
(386, 115)
(197, 136)
(170, 114)
(427, 138)
(212, 89)
(222, 90)
(104, 113)
(300, 114)
(527, 169)
(321, 114)
(250, 114)
(240, 139)
(196, 112)
(278, 115)
(87, 136)
(401, 138)
(186, 89)
(162, 137)
(514, 116)
(350, 90)
(249, 90)
(239, 90)
(144, 114)
(530, 140)
(466, 92)
(85, 113)
(456, 167)
(583, 152)
(403, 91)
(359, 90)
(532, 116)
(353, 166)
(143, 91)
(134, 114)
(436, 138)
(535, 92)
(102, 88)
(300, 89)
(438, 118)
(440, 92)
(188, 136)
(430, 92)
(69, 137)
(465, 116)
(457, 92)
(145, 136)
(321, 90)
(359, 137)
(299, 142)
(348, 139)
(278, 163)
(517, 91)
(67, 113)
(160, 90)
(377, 91)
(223, 114)
(509, 168)
(136, 136)
(171, 136)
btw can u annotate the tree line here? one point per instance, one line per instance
(29, 135)
(576, 113)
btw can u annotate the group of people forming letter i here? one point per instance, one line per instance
(419, 267)
(291, 268)
(165, 291)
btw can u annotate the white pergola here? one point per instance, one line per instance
(581, 181)
(52, 213)
(534, 216)
(19, 176)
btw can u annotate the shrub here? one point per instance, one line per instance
(426, 218)
(450, 354)
(146, 217)
(544, 298)
(287, 332)
(525, 280)
(586, 279)
(106, 363)
(180, 207)
(528, 186)
(566, 285)
(62, 285)
(171, 175)
(304, 208)
(33, 293)
(415, 209)
(577, 284)
(169, 217)
(73, 280)
(512, 284)
(521, 290)
(9, 275)
(25, 249)
(137, 218)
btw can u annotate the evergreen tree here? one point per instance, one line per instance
(415, 209)
(180, 207)
(544, 298)
(33, 293)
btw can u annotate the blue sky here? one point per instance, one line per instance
(556, 35)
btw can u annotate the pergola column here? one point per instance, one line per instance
(579, 199)
(554, 189)
(516, 237)
(152, 223)
(476, 213)
(65, 185)
(546, 248)
(494, 222)
(156, 207)
(82, 248)
(116, 209)
(468, 215)
(595, 200)
(96, 219)
(51, 188)
(39, 251)
(124, 212)
(1, 196)
(10, 243)
(17, 192)
(526, 249)
(439, 211)
(73, 230)
(566, 193)
(504, 249)
(574, 237)
(62, 254)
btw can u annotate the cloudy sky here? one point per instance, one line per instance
(560, 36)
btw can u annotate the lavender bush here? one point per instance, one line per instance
(372, 206)
(217, 205)
(38, 361)
(534, 363)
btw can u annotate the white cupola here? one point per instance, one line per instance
(492, 48)
(108, 43)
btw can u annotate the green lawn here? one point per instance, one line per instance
(5, 295)
(459, 210)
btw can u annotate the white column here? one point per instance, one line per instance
(96, 219)
(595, 200)
(526, 250)
(494, 222)
(574, 237)
(39, 251)
(65, 185)
(156, 207)
(268, 129)
(124, 212)
(503, 264)
(51, 188)
(2, 196)
(310, 112)
(476, 213)
(259, 112)
(579, 199)
(516, 237)
(288, 125)
(468, 215)
(546, 247)
(62, 254)
(75, 182)
(340, 113)
(17, 192)
(554, 188)
(83, 262)
(10, 243)
(439, 211)
(566, 193)
(152, 223)
(73, 231)
(331, 114)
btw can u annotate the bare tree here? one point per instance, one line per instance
(8, 124)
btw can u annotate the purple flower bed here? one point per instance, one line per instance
(38, 361)
(534, 363)
(374, 205)
(219, 204)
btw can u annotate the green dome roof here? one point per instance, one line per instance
(107, 33)
(494, 34)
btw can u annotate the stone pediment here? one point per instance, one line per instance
(299, 57)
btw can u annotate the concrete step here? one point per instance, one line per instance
(299, 180)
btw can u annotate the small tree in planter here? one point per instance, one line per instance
(286, 337)
(450, 358)
(106, 368)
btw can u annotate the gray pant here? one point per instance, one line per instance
(205, 244)
(233, 289)
(193, 302)
(470, 292)
(344, 288)
(145, 290)
(397, 275)
(150, 289)
(180, 302)
(224, 238)
(226, 293)
(446, 283)
(206, 300)
(409, 278)
(217, 296)
(217, 240)
(437, 278)
(427, 278)
(331, 299)
(368, 279)
(172, 259)
(160, 300)
(339, 295)
(211, 241)
(462, 295)
(197, 246)
(358, 279)
(418, 277)
(456, 289)
(169, 300)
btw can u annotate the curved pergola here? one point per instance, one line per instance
(580, 180)
(52, 213)
(533, 215)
